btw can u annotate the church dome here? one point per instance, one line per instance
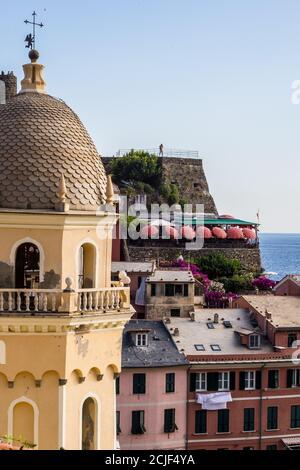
(41, 138)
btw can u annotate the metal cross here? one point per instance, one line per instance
(30, 38)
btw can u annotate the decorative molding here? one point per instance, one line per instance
(62, 382)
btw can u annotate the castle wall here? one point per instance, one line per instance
(249, 257)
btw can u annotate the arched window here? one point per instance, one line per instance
(89, 424)
(23, 422)
(87, 266)
(27, 266)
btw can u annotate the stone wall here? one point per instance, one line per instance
(249, 257)
(188, 174)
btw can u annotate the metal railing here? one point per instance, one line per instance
(167, 152)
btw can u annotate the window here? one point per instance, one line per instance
(170, 382)
(186, 290)
(138, 422)
(254, 341)
(175, 312)
(250, 380)
(210, 325)
(223, 420)
(199, 347)
(153, 290)
(178, 289)
(118, 385)
(139, 383)
(227, 324)
(215, 347)
(271, 447)
(292, 337)
(169, 290)
(118, 422)
(141, 339)
(169, 422)
(201, 381)
(272, 413)
(223, 381)
(293, 378)
(295, 416)
(273, 378)
(200, 422)
(249, 416)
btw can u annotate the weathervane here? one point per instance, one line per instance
(30, 38)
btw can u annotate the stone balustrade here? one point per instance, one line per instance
(57, 301)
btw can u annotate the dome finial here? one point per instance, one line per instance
(62, 205)
(109, 190)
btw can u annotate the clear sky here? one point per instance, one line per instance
(210, 75)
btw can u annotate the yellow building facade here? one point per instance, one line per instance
(61, 319)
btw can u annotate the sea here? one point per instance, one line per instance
(280, 253)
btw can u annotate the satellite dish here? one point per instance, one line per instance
(2, 92)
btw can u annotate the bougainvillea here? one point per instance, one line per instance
(263, 283)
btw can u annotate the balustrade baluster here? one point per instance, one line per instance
(45, 302)
(1, 302)
(90, 301)
(53, 302)
(36, 301)
(19, 301)
(84, 301)
(27, 301)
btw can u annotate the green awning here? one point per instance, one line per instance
(205, 221)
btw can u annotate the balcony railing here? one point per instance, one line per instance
(56, 301)
(167, 152)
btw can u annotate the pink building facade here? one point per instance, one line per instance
(152, 389)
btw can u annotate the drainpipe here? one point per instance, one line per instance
(187, 410)
(260, 408)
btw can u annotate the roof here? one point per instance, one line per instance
(41, 137)
(292, 277)
(285, 310)
(132, 266)
(197, 333)
(160, 352)
(212, 221)
(171, 276)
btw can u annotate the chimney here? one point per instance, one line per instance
(268, 314)
(216, 318)
(192, 315)
(10, 81)
(176, 332)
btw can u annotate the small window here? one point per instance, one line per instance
(178, 289)
(295, 416)
(223, 381)
(186, 290)
(118, 385)
(201, 382)
(199, 347)
(227, 324)
(272, 422)
(139, 384)
(141, 339)
(249, 414)
(223, 420)
(210, 325)
(169, 290)
(170, 382)
(296, 378)
(215, 347)
(138, 422)
(118, 422)
(273, 378)
(250, 380)
(175, 312)
(292, 337)
(200, 422)
(254, 341)
(169, 422)
(153, 290)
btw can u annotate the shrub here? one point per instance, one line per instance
(218, 265)
(263, 283)
(136, 166)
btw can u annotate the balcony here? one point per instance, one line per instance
(64, 302)
(167, 152)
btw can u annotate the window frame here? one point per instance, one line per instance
(251, 337)
(223, 378)
(170, 384)
(200, 422)
(140, 429)
(153, 289)
(138, 388)
(291, 334)
(170, 420)
(297, 418)
(248, 380)
(201, 380)
(139, 338)
(249, 421)
(223, 423)
(272, 418)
